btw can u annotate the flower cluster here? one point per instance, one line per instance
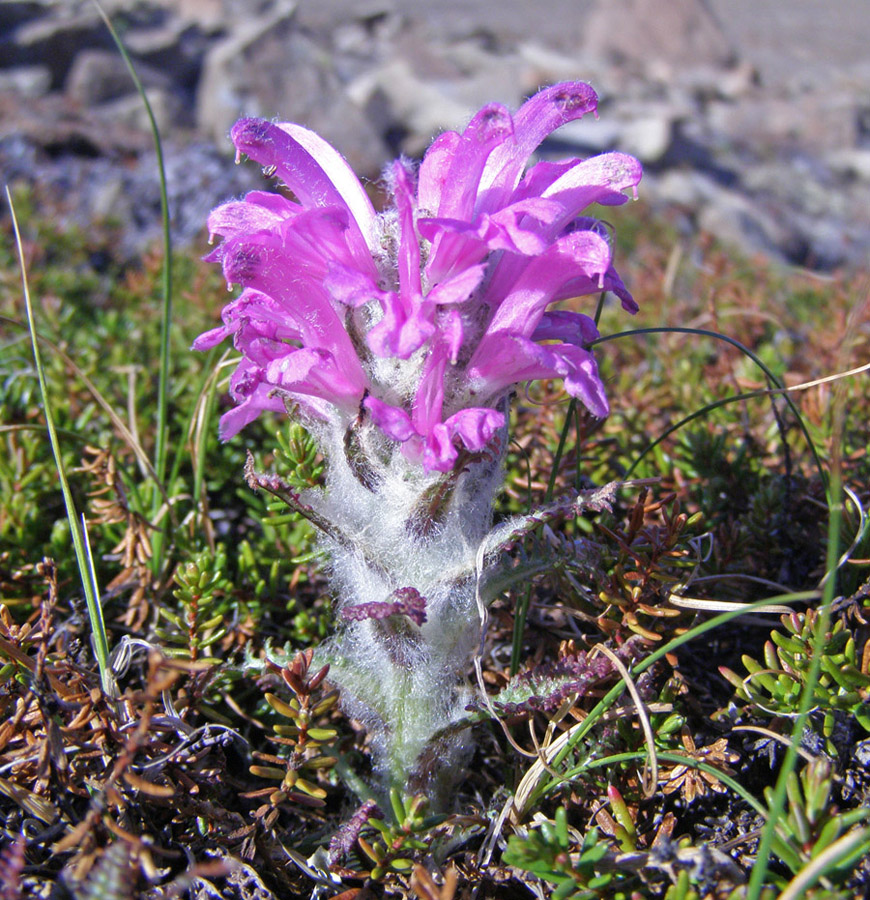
(424, 316)
(397, 338)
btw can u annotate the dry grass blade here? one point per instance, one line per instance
(722, 605)
(826, 860)
(651, 776)
(781, 738)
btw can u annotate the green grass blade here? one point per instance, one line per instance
(199, 421)
(95, 614)
(521, 613)
(822, 626)
(676, 759)
(849, 848)
(158, 540)
(116, 420)
(84, 558)
(560, 450)
(613, 694)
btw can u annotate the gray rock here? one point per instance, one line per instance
(545, 65)
(850, 163)
(209, 15)
(54, 40)
(224, 93)
(267, 68)
(646, 132)
(55, 126)
(683, 188)
(14, 13)
(97, 76)
(661, 36)
(648, 137)
(755, 126)
(817, 121)
(129, 111)
(175, 48)
(585, 136)
(735, 220)
(415, 110)
(27, 82)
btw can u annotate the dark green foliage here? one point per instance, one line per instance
(586, 874)
(400, 841)
(773, 686)
(203, 607)
(813, 823)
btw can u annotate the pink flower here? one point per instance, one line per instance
(423, 316)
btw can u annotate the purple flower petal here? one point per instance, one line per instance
(294, 283)
(566, 326)
(403, 329)
(392, 420)
(511, 359)
(350, 286)
(475, 427)
(457, 279)
(580, 258)
(602, 179)
(439, 452)
(435, 171)
(253, 397)
(537, 118)
(316, 372)
(409, 247)
(253, 213)
(209, 339)
(459, 288)
(312, 169)
(491, 127)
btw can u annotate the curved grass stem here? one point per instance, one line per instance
(161, 445)
(703, 332)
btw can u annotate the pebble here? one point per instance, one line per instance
(778, 165)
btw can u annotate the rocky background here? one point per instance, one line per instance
(752, 117)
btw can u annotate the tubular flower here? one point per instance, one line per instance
(423, 317)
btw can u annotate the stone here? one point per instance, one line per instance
(739, 222)
(268, 68)
(585, 136)
(415, 110)
(60, 129)
(683, 188)
(209, 15)
(850, 163)
(669, 34)
(129, 111)
(759, 137)
(26, 82)
(14, 13)
(544, 65)
(647, 137)
(97, 76)
(174, 48)
(816, 121)
(54, 40)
